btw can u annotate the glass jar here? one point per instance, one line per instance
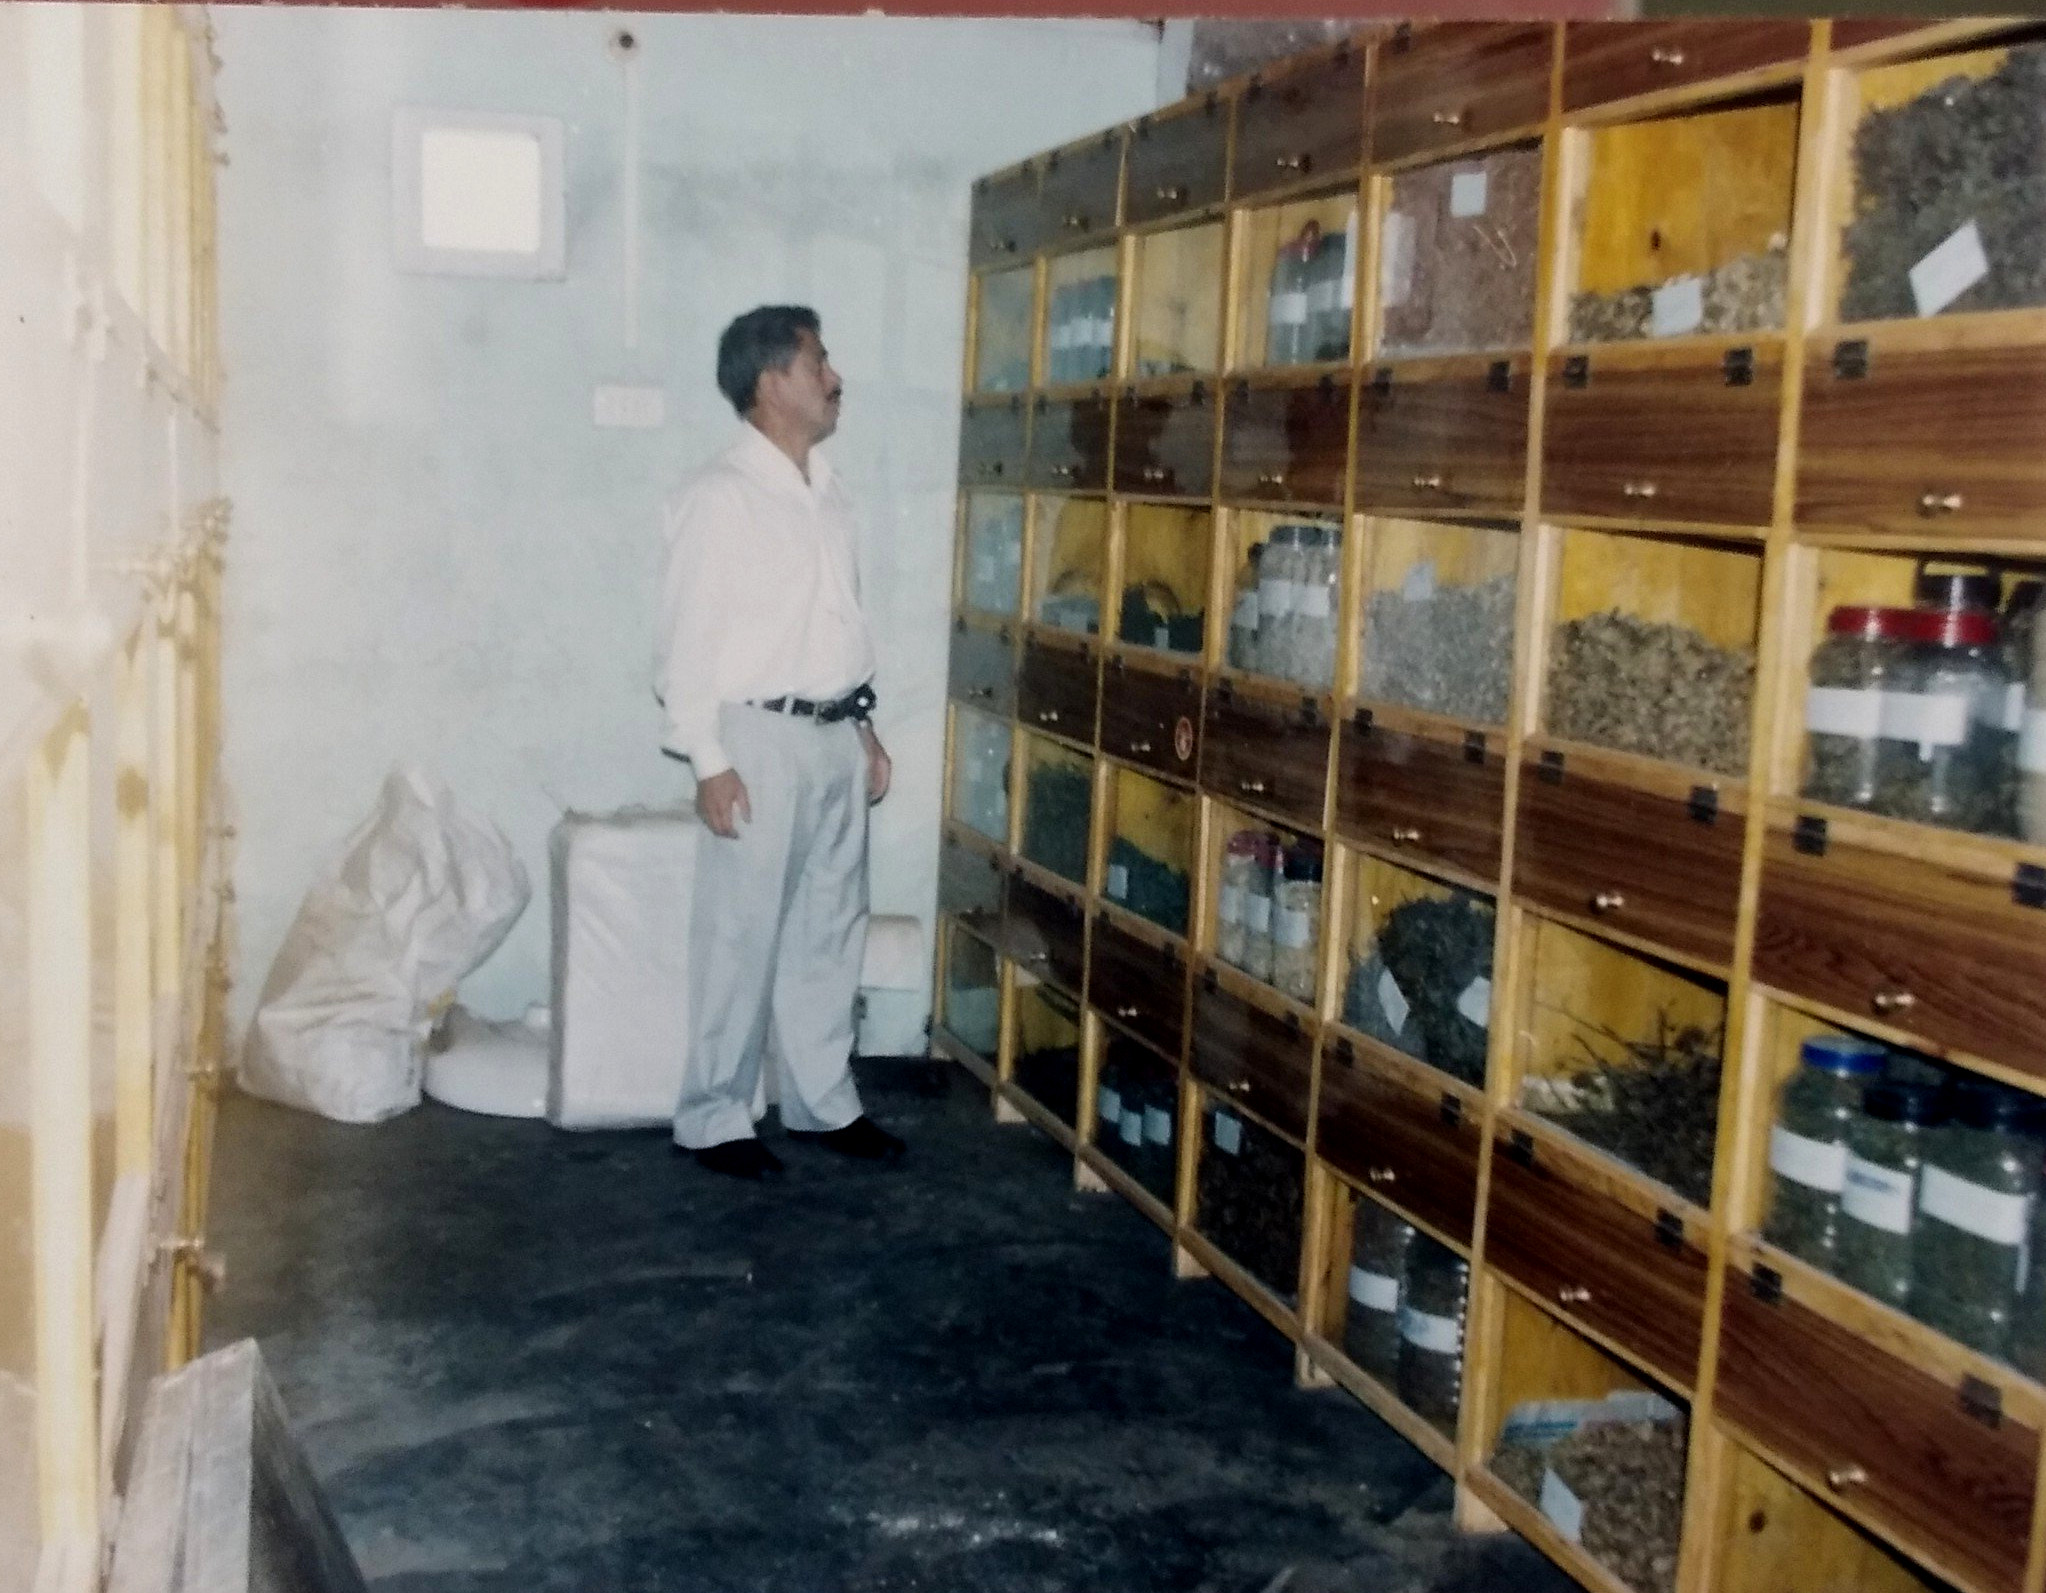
(1975, 1197)
(1330, 296)
(1935, 766)
(1957, 591)
(1314, 607)
(1430, 1379)
(1286, 310)
(1885, 1150)
(1278, 587)
(1296, 921)
(1239, 868)
(2028, 1327)
(1257, 909)
(1378, 1264)
(994, 554)
(980, 775)
(1850, 672)
(2031, 754)
(1808, 1144)
(1244, 617)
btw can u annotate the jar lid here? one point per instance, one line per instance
(1991, 1107)
(1920, 1104)
(1244, 843)
(1953, 591)
(1842, 1053)
(1285, 536)
(1303, 862)
(1870, 623)
(1962, 627)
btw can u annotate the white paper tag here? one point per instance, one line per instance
(1321, 298)
(1312, 600)
(1118, 880)
(1815, 1163)
(1949, 270)
(1290, 308)
(2011, 710)
(1878, 1196)
(1108, 1105)
(1275, 598)
(1157, 1125)
(1229, 905)
(1375, 1291)
(1292, 928)
(2032, 742)
(1442, 1335)
(1347, 289)
(1132, 1128)
(1419, 585)
(1257, 914)
(1843, 711)
(1476, 1002)
(1396, 260)
(1677, 307)
(1393, 1001)
(1986, 1213)
(1228, 1134)
(1563, 1508)
(1467, 193)
(1931, 720)
(1245, 616)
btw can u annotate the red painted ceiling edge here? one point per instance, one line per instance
(1149, 12)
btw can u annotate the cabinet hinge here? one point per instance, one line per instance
(1452, 1109)
(1767, 1284)
(1551, 768)
(1738, 367)
(1705, 804)
(1474, 746)
(2028, 885)
(1499, 376)
(1577, 371)
(1850, 359)
(1362, 720)
(1809, 837)
(1520, 1148)
(1982, 1400)
(1381, 381)
(1669, 1228)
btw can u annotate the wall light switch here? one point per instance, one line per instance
(638, 408)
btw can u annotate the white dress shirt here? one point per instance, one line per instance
(761, 596)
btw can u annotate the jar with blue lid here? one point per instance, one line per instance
(1878, 1210)
(1808, 1144)
(1976, 1194)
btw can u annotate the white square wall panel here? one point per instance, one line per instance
(477, 194)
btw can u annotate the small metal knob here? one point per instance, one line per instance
(1572, 1294)
(1171, 194)
(1428, 483)
(1255, 787)
(984, 693)
(1638, 489)
(1140, 746)
(1240, 1087)
(1065, 472)
(1405, 835)
(1447, 118)
(1290, 162)
(1126, 1012)
(1938, 502)
(1663, 55)
(1608, 902)
(1155, 472)
(1840, 1478)
(1272, 478)
(1047, 716)
(1381, 1175)
(1893, 1001)
(1075, 222)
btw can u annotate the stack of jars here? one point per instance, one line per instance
(1268, 917)
(1284, 621)
(1079, 331)
(1919, 1186)
(1919, 713)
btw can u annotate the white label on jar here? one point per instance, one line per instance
(2032, 742)
(1230, 908)
(1375, 1291)
(1313, 600)
(1347, 277)
(1396, 259)
(1393, 1001)
(1971, 1207)
(1419, 585)
(1321, 298)
(1843, 711)
(1157, 1125)
(1108, 1105)
(1475, 1004)
(1293, 928)
(1132, 1127)
(1878, 1196)
(1257, 914)
(1245, 617)
(1932, 719)
(2012, 715)
(1118, 880)
(1228, 1134)
(1275, 597)
(1677, 307)
(1290, 308)
(1563, 1508)
(1815, 1163)
(1467, 193)
(1950, 270)
(1441, 1334)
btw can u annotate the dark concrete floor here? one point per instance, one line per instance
(526, 1360)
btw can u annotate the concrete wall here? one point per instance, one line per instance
(436, 556)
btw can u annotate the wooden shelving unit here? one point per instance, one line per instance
(1684, 407)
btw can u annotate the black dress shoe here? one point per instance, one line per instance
(862, 1138)
(740, 1158)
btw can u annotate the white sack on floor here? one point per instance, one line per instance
(499, 1069)
(421, 893)
(622, 888)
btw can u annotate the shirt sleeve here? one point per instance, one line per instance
(699, 525)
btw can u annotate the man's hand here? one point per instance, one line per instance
(721, 801)
(880, 769)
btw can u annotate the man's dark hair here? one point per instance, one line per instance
(765, 339)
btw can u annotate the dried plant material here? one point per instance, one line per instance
(1629, 1477)
(1056, 817)
(1656, 1109)
(1138, 1113)
(1747, 294)
(1965, 151)
(1250, 1203)
(1459, 256)
(1646, 686)
(1450, 653)
(1436, 950)
(1378, 1266)
(1050, 1076)
(1146, 885)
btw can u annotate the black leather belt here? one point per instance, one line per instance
(856, 705)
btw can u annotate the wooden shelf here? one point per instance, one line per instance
(1241, 1284)
(1381, 1401)
(1120, 1183)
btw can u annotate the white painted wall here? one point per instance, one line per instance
(436, 556)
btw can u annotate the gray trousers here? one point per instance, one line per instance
(778, 931)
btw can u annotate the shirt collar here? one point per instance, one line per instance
(754, 453)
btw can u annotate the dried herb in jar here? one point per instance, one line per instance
(1056, 819)
(1430, 1378)
(1444, 650)
(1380, 1241)
(1657, 1110)
(1249, 1200)
(1151, 618)
(1653, 688)
(1137, 1111)
(1437, 953)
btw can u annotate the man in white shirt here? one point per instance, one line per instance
(765, 676)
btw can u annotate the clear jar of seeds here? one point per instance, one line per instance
(1437, 1289)
(1239, 868)
(1314, 611)
(1885, 1150)
(1257, 909)
(1976, 1192)
(1296, 921)
(1244, 617)
(1850, 671)
(1937, 764)
(2028, 1327)
(1278, 590)
(1378, 1264)
(1808, 1145)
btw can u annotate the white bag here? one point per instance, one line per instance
(421, 894)
(498, 1069)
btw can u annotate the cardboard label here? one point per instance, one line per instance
(1815, 1163)
(1293, 928)
(1467, 193)
(1393, 1001)
(1563, 1508)
(1375, 1291)
(1930, 719)
(1157, 1125)
(1843, 711)
(1228, 1134)
(1476, 1002)
(1949, 270)
(1677, 307)
(1118, 880)
(1971, 1207)
(1440, 1335)
(1396, 260)
(1878, 1196)
(1419, 585)
(1132, 1128)
(1108, 1105)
